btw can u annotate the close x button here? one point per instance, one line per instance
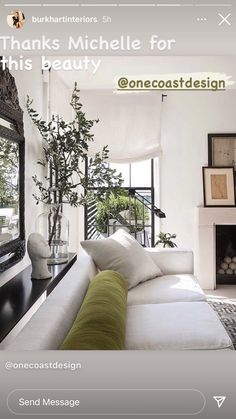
(224, 20)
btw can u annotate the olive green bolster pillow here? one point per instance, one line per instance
(100, 323)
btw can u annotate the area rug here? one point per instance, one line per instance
(227, 314)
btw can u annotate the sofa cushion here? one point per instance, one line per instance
(167, 288)
(100, 323)
(175, 326)
(122, 253)
(172, 261)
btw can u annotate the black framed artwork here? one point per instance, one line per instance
(222, 150)
(218, 186)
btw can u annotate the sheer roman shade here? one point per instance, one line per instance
(129, 123)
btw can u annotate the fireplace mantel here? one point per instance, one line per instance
(205, 241)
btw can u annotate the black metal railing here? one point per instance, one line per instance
(138, 217)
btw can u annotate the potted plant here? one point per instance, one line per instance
(65, 151)
(165, 240)
(126, 210)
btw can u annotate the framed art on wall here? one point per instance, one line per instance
(222, 150)
(218, 186)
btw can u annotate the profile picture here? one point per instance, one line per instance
(16, 19)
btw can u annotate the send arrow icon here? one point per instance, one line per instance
(219, 400)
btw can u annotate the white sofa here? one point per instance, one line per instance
(168, 312)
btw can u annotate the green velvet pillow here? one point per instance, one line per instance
(100, 323)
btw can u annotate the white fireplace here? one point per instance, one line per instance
(206, 220)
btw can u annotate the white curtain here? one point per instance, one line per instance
(129, 123)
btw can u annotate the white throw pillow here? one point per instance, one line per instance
(122, 253)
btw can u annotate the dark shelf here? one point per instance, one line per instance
(19, 294)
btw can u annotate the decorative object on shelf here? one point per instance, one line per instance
(218, 186)
(165, 240)
(222, 150)
(12, 156)
(39, 252)
(66, 152)
(53, 224)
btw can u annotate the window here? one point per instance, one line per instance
(137, 174)
(134, 210)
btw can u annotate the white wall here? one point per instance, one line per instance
(188, 118)
(29, 82)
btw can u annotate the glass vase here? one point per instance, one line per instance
(54, 227)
